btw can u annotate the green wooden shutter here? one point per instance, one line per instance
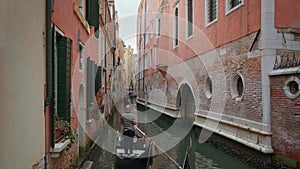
(212, 10)
(63, 78)
(97, 79)
(190, 17)
(176, 26)
(92, 13)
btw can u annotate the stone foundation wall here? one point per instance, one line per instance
(67, 158)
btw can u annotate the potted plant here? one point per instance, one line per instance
(61, 129)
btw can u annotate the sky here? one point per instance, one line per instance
(127, 11)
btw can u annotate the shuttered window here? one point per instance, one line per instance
(190, 18)
(211, 10)
(98, 79)
(158, 26)
(92, 14)
(63, 78)
(90, 75)
(233, 3)
(176, 27)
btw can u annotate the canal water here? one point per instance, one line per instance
(200, 155)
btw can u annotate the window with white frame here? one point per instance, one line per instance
(152, 28)
(175, 26)
(81, 57)
(146, 36)
(146, 61)
(158, 26)
(190, 17)
(211, 11)
(82, 6)
(140, 68)
(150, 59)
(233, 4)
(148, 5)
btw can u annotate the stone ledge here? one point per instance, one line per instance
(167, 110)
(253, 137)
(59, 147)
(288, 71)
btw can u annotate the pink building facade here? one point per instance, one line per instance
(225, 55)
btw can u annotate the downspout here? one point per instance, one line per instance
(139, 53)
(144, 60)
(49, 75)
(114, 20)
(105, 61)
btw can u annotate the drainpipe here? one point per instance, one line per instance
(49, 75)
(144, 60)
(114, 20)
(268, 53)
(105, 34)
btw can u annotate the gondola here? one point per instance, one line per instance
(141, 157)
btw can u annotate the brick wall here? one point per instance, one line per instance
(285, 124)
(66, 159)
(234, 61)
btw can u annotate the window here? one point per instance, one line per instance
(237, 87)
(208, 88)
(82, 6)
(155, 55)
(92, 14)
(147, 36)
(176, 27)
(148, 5)
(189, 14)
(63, 78)
(233, 4)
(158, 26)
(152, 28)
(291, 87)
(140, 68)
(146, 61)
(211, 10)
(151, 54)
(81, 57)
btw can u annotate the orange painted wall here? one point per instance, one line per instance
(287, 14)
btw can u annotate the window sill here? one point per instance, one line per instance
(190, 37)
(210, 23)
(59, 147)
(238, 98)
(235, 8)
(175, 47)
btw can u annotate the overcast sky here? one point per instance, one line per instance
(127, 10)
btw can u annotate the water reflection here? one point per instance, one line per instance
(201, 156)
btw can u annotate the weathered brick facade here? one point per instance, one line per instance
(285, 119)
(238, 50)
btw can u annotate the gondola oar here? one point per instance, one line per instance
(166, 154)
(186, 164)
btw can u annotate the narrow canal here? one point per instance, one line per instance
(201, 155)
